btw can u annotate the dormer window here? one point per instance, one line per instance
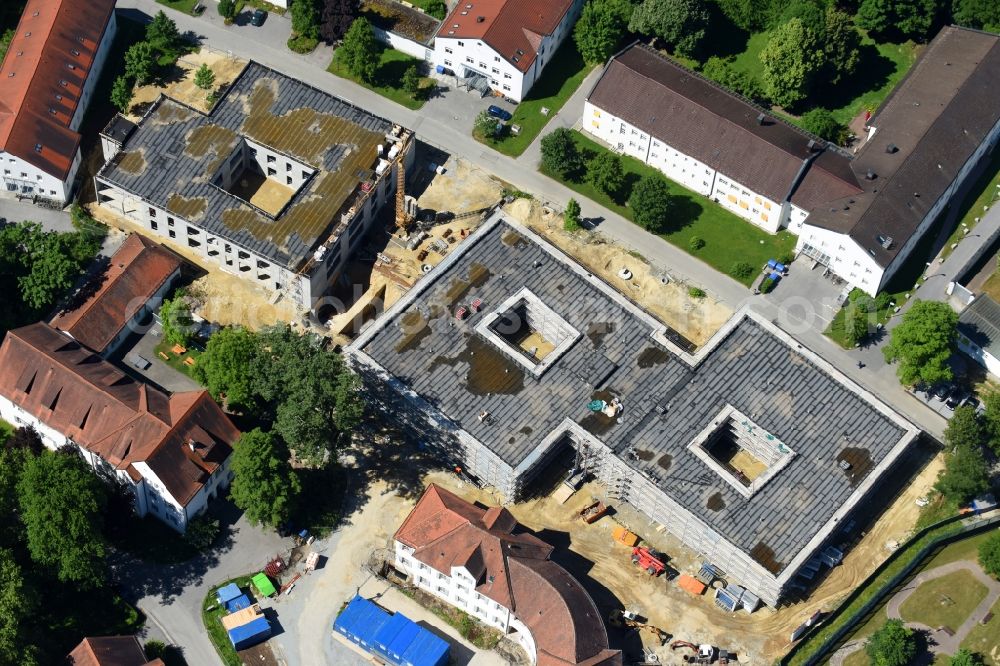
(75, 52)
(71, 65)
(38, 147)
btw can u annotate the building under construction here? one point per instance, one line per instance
(279, 183)
(516, 364)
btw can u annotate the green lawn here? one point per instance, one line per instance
(728, 239)
(985, 638)
(392, 64)
(967, 549)
(422, 4)
(186, 6)
(212, 620)
(560, 79)
(177, 362)
(985, 192)
(944, 602)
(858, 658)
(6, 430)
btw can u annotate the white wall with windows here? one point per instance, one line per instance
(693, 174)
(842, 255)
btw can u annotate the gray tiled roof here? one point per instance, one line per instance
(175, 151)
(980, 322)
(782, 390)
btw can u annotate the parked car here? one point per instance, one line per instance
(497, 112)
(258, 18)
(941, 391)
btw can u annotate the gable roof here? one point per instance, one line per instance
(108, 302)
(980, 322)
(925, 132)
(43, 75)
(699, 118)
(183, 437)
(512, 567)
(512, 28)
(110, 651)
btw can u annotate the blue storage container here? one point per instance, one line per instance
(250, 633)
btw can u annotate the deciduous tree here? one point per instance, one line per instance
(965, 429)
(923, 343)
(178, 324)
(305, 18)
(965, 657)
(965, 474)
(651, 203)
(991, 419)
(264, 484)
(162, 34)
(680, 24)
(791, 58)
(605, 172)
(139, 61)
(892, 645)
(722, 72)
(62, 503)
(841, 45)
(18, 603)
(360, 50)
(979, 14)
(337, 18)
(227, 9)
(411, 80)
(910, 18)
(601, 28)
(560, 155)
(989, 555)
(747, 14)
(822, 123)
(227, 367)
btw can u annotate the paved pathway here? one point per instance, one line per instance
(938, 642)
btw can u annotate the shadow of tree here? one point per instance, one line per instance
(728, 39)
(684, 210)
(873, 72)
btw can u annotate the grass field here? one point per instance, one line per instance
(177, 362)
(984, 639)
(986, 192)
(186, 6)
(561, 78)
(392, 64)
(213, 624)
(944, 602)
(728, 239)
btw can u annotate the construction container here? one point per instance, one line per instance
(227, 593)
(238, 604)
(395, 639)
(623, 536)
(241, 617)
(250, 634)
(691, 584)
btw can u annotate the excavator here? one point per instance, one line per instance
(632, 620)
(703, 654)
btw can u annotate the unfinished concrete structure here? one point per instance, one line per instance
(752, 449)
(279, 183)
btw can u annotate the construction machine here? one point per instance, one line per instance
(632, 620)
(652, 561)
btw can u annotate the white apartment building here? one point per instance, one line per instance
(503, 45)
(49, 74)
(278, 184)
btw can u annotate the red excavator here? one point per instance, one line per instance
(653, 561)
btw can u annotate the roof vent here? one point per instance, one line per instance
(480, 19)
(454, 25)
(62, 82)
(520, 52)
(11, 75)
(891, 148)
(465, 12)
(885, 241)
(74, 52)
(38, 147)
(516, 59)
(52, 110)
(35, 13)
(27, 34)
(71, 65)
(468, 6)
(871, 252)
(760, 118)
(813, 145)
(870, 175)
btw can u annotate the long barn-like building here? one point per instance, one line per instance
(751, 449)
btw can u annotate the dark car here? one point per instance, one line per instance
(258, 18)
(497, 112)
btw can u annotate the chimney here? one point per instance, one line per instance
(870, 175)
(891, 148)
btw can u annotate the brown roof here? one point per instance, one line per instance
(41, 91)
(699, 118)
(183, 437)
(936, 119)
(513, 568)
(110, 651)
(512, 28)
(108, 302)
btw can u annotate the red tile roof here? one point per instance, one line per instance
(183, 438)
(513, 568)
(108, 302)
(512, 28)
(40, 90)
(110, 651)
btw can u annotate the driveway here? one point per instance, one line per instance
(18, 211)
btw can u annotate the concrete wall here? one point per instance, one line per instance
(404, 44)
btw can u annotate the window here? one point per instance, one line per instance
(288, 180)
(482, 64)
(506, 76)
(496, 58)
(469, 60)
(461, 43)
(271, 171)
(170, 221)
(152, 211)
(172, 233)
(447, 63)
(495, 70)
(305, 175)
(448, 50)
(271, 159)
(153, 225)
(288, 166)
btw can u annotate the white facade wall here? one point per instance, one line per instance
(693, 174)
(404, 44)
(979, 355)
(472, 55)
(95, 72)
(842, 255)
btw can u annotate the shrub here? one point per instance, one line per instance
(437, 9)
(742, 270)
(571, 216)
(695, 292)
(154, 649)
(696, 243)
(892, 645)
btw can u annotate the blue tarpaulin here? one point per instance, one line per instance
(250, 633)
(239, 603)
(227, 593)
(394, 638)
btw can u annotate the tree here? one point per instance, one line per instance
(437, 8)
(965, 657)
(841, 45)
(991, 419)
(264, 484)
(411, 80)
(857, 316)
(201, 532)
(892, 645)
(62, 503)
(17, 605)
(139, 62)
(605, 172)
(305, 18)
(337, 18)
(48, 258)
(162, 33)
(979, 14)
(25, 439)
(965, 429)
(989, 555)
(680, 24)
(750, 15)
(227, 9)
(486, 125)
(560, 155)
(822, 123)
(923, 343)
(571, 216)
(910, 18)
(360, 50)
(601, 27)
(226, 367)
(651, 203)
(722, 72)
(791, 59)
(178, 324)
(11, 463)
(965, 474)
(204, 77)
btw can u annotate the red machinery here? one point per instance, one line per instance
(652, 561)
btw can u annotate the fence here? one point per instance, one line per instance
(961, 530)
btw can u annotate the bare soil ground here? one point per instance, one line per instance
(226, 299)
(180, 84)
(462, 187)
(694, 318)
